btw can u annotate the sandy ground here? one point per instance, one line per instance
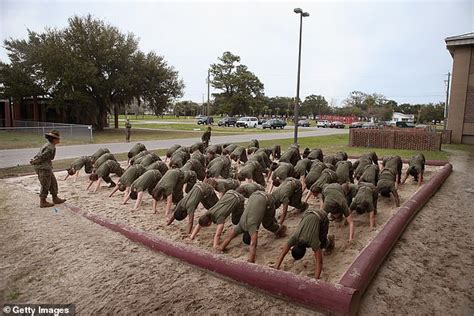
(49, 255)
(269, 246)
(431, 268)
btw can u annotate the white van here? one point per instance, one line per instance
(247, 121)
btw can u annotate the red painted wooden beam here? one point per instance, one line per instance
(363, 269)
(320, 295)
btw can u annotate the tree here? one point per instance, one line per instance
(315, 105)
(280, 106)
(241, 90)
(185, 108)
(431, 113)
(92, 68)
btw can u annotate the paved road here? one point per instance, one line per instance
(14, 157)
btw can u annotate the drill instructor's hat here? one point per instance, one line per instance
(53, 133)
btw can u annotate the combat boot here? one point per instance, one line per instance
(57, 200)
(44, 203)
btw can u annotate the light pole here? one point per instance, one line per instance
(297, 101)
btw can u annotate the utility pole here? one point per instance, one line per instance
(202, 112)
(208, 89)
(447, 100)
(297, 101)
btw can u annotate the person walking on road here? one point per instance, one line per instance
(128, 130)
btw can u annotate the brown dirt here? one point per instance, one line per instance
(62, 257)
(431, 268)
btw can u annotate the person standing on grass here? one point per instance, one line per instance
(128, 130)
(206, 137)
(43, 165)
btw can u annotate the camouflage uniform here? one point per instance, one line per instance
(302, 167)
(108, 167)
(312, 230)
(146, 181)
(219, 167)
(260, 209)
(206, 137)
(344, 171)
(253, 170)
(283, 171)
(254, 143)
(84, 161)
(327, 176)
(335, 201)
(291, 155)
(250, 188)
(131, 174)
(43, 165)
(200, 193)
(316, 154)
(172, 149)
(416, 165)
(138, 147)
(128, 131)
(99, 153)
(239, 153)
(367, 195)
(158, 165)
(314, 173)
(196, 166)
(289, 192)
(231, 202)
(370, 175)
(224, 185)
(102, 159)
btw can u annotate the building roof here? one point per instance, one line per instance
(403, 115)
(459, 40)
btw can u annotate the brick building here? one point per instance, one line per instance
(461, 105)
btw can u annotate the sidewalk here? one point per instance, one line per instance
(14, 157)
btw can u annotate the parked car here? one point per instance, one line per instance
(227, 121)
(422, 126)
(205, 120)
(247, 121)
(369, 125)
(405, 124)
(356, 125)
(303, 123)
(337, 124)
(323, 123)
(274, 123)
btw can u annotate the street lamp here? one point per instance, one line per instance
(297, 101)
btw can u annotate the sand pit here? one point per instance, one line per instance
(335, 264)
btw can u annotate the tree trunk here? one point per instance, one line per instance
(116, 116)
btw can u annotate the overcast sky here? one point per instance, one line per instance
(395, 48)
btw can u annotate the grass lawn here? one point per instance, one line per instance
(215, 128)
(170, 118)
(333, 143)
(15, 140)
(329, 144)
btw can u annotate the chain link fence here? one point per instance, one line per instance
(67, 131)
